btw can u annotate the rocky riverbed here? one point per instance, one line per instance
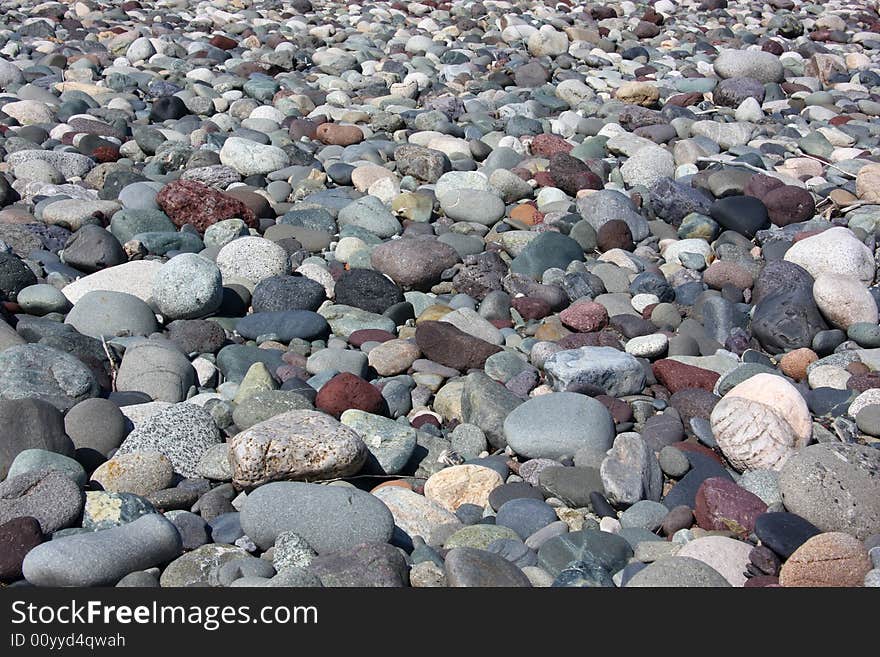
(427, 294)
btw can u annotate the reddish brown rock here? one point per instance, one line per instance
(345, 391)
(549, 145)
(17, 537)
(794, 363)
(424, 418)
(357, 338)
(722, 273)
(445, 344)
(862, 382)
(789, 204)
(571, 174)
(684, 100)
(585, 316)
(531, 307)
(681, 517)
(827, 560)
(620, 410)
(614, 234)
(526, 213)
(339, 135)
(722, 505)
(686, 447)
(192, 202)
(760, 185)
(694, 402)
(223, 42)
(677, 376)
(597, 339)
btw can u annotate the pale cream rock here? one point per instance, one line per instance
(462, 484)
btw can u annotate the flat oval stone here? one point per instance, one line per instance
(103, 558)
(558, 425)
(467, 567)
(329, 518)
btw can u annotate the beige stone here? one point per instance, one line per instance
(140, 473)
(638, 93)
(827, 560)
(462, 484)
(761, 422)
(393, 357)
(413, 513)
(844, 300)
(868, 183)
(726, 555)
(303, 445)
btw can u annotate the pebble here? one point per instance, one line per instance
(103, 558)
(613, 285)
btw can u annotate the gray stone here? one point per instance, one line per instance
(42, 372)
(188, 286)
(103, 558)
(390, 443)
(558, 425)
(677, 572)
(329, 518)
(40, 459)
(49, 496)
(631, 472)
(160, 371)
(617, 373)
(201, 567)
(30, 424)
(834, 486)
(182, 432)
(469, 567)
(109, 314)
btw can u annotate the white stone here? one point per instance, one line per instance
(761, 422)
(844, 300)
(834, 251)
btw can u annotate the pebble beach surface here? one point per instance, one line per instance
(439, 294)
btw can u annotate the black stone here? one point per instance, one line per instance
(784, 532)
(168, 107)
(744, 214)
(600, 505)
(368, 290)
(278, 293)
(513, 491)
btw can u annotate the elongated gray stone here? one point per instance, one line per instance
(103, 558)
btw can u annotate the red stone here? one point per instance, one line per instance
(346, 391)
(192, 202)
(17, 537)
(531, 307)
(357, 338)
(675, 376)
(598, 339)
(423, 419)
(684, 100)
(543, 178)
(585, 316)
(223, 42)
(722, 505)
(620, 410)
(549, 145)
(285, 372)
(445, 344)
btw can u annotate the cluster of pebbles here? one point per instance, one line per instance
(439, 293)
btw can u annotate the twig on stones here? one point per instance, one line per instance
(828, 164)
(113, 367)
